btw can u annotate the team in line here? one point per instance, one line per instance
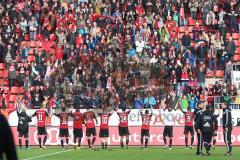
(203, 120)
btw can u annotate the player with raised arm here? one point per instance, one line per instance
(123, 126)
(41, 115)
(64, 132)
(89, 117)
(78, 120)
(188, 128)
(23, 127)
(104, 131)
(146, 118)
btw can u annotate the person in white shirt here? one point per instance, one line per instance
(168, 119)
(140, 44)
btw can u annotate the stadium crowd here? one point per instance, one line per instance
(151, 53)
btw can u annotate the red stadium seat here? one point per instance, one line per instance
(182, 29)
(27, 38)
(12, 98)
(236, 36)
(5, 73)
(40, 49)
(33, 44)
(219, 74)
(15, 90)
(191, 22)
(1, 73)
(30, 52)
(21, 90)
(39, 44)
(2, 66)
(5, 82)
(190, 29)
(210, 74)
(228, 35)
(25, 43)
(25, 65)
(52, 51)
(31, 58)
(18, 59)
(40, 37)
(237, 42)
(238, 50)
(11, 106)
(236, 58)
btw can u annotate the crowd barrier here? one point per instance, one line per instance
(156, 137)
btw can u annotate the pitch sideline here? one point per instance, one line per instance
(50, 154)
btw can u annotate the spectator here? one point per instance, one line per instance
(193, 5)
(186, 39)
(12, 75)
(126, 48)
(193, 102)
(33, 28)
(138, 102)
(231, 48)
(201, 72)
(212, 58)
(184, 102)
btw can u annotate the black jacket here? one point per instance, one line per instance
(197, 113)
(227, 118)
(23, 120)
(207, 122)
(6, 140)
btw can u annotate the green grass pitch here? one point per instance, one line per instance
(133, 153)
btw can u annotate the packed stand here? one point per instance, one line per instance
(82, 53)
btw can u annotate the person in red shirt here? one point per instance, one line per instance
(188, 128)
(78, 119)
(89, 117)
(41, 115)
(146, 118)
(63, 131)
(104, 131)
(123, 126)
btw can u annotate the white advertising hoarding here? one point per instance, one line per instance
(134, 118)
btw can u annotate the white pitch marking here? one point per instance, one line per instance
(50, 154)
